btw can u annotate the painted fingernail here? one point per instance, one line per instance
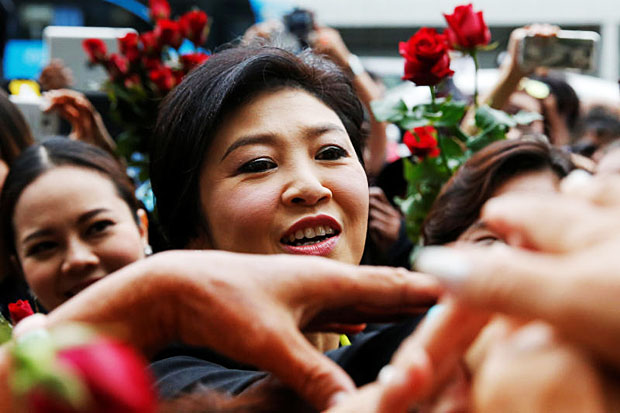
(337, 398)
(576, 181)
(435, 310)
(390, 375)
(450, 266)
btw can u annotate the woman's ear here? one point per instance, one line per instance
(143, 225)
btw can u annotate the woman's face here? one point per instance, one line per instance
(537, 181)
(282, 177)
(71, 230)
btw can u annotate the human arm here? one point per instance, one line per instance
(219, 300)
(86, 123)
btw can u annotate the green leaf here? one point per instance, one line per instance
(389, 110)
(487, 117)
(6, 330)
(451, 114)
(525, 118)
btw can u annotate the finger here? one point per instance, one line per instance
(379, 217)
(540, 221)
(377, 193)
(601, 190)
(385, 208)
(340, 328)
(574, 294)
(315, 377)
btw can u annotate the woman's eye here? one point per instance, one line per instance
(40, 248)
(330, 153)
(99, 226)
(257, 165)
(488, 240)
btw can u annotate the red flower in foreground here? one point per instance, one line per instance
(96, 50)
(114, 375)
(168, 32)
(20, 310)
(467, 29)
(191, 60)
(160, 9)
(163, 78)
(422, 142)
(194, 26)
(128, 46)
(426, 57)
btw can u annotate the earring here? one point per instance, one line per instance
(148, 250)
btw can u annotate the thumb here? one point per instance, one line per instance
(311, 374)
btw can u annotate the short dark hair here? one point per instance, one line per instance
(48, 155)
(458, 205)
(15, 135)
(191, 114)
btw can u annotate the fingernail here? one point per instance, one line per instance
(447, 264)
(434, 311)
(575, 181)
(336, 399)
(390, 375)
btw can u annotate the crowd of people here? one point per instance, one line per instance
(264, 164)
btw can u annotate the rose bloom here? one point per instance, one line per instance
(168, 32)
(117, 66)
(150, 44)
(163, 78)
(191, 60)
(194, 26)
(426, 57)
(115, 376)
(128, 45)
(422, 142)
(20, 310)
(467, 28)
(160, 9)
(96, 50)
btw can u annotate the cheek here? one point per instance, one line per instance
(240, 217)
(124, 248)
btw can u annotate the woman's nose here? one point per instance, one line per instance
(305, 188)
(78, 257)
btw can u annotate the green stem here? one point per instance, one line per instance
(474, 56)
(433, 99)
(442, 154)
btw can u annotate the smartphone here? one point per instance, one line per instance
(571, 49)
(41, 124)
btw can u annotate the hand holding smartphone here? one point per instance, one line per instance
(569, 49)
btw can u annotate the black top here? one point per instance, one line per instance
(180, 368)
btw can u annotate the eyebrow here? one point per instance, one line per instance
(309, 132)
(45, 232)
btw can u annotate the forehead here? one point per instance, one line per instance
(544, 181)
(64, 191)
(275, 111)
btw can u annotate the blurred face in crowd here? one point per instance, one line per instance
(544, 181)
(71, 230)
(282, 176)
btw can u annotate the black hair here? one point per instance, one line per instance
(41, 158)
(191, 114)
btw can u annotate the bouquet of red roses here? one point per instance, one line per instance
(146, 69)
(438, 144)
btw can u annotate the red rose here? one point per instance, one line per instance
(128, 46)
(422, 142)
(114, 375)
(20, 310)
(150, 44)
(160, 9)
(163, 78)
(426, 57)
(168, 32)
(194, 26)
(191, 60)
(117, 66)
(467, 29)
(95, 49)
